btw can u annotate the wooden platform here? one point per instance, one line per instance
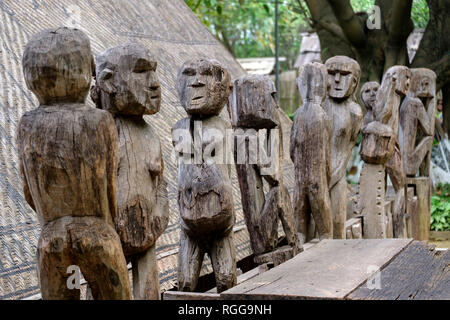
(339, 269)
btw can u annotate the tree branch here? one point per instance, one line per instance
(349, 22)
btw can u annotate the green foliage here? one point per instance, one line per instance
(247, 27)
(420, 13)
(440, 209)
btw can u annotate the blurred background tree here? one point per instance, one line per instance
(246, 29)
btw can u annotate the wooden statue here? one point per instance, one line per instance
(346, 114)
(204, 186)
(310, 151)
(68, 161)
(381, 153)
(369, 97)
(254, 107)
(416, 140)
(417, 123)
(127, 86)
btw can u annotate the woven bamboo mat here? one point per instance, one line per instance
(173, 34)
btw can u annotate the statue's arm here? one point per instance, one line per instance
(112, 141)
(161, 209)
(292, 139)
(425, 119)
(26, 188)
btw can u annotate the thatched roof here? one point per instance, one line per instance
(173, 34)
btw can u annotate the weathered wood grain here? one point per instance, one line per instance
(420, 217)
(180, 295)
(205, 194)
(253, 106)
(417, 273)
(310, 151)
(68, 161)
(127, 87)
(346, 115)
(330, 270)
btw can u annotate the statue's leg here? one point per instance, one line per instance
(53, 255)
(302, 213)
(145, 276)
(424, 169)
(319, 200)
(286, 214)
(268, 222)
(190, 259)
(97, 249)
(394, 168)
(338, 195)
(416, 159)
(223, 258)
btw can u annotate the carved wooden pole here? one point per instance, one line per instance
(346, 114)
(381, 154)
(205, 195)
(310, 151)
(68, 161)
(127, 86)
(416, 140)
(253, 107)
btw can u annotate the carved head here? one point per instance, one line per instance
(401, 75)
(343, 76)
(127, 82)
(312, 82)
(423, 83)
(369, 94)
(203, 87)
(58, 66)
(253, 102)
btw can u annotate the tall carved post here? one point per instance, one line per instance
(310, 151)
(205, 194)
(127, 87)
(254, 107)
(346, 115)
(381, 154)
(416, 140)
(68, 161)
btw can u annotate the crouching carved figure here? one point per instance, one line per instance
(254, 107)
(310, 151)
(127, 86)
(205, 194)
(68, 161)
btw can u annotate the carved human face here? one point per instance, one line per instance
(369, 94)
(128, 81)
(312, 82)
(424, 82)
(203, 87)
(402, 77)
(343, 77)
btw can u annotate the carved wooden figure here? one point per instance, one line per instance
(68, 161)
(416, 140)
(417, 123)
(127, 86)
(204, 187)
(310, 151)
(369, 98)
(381, 152)
(346, 115)
(252, 107)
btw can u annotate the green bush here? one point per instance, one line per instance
(440, 209)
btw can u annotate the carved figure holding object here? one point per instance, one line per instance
(205, 194)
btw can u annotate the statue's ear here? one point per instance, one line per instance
(104, 80)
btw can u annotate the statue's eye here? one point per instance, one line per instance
(143, 65)
(206, 72)
(189, 72)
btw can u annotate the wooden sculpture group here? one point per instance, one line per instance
(95, 177)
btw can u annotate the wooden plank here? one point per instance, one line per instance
(330, 270)
(419, 273)
(246, 276)
(180, 295)
(420, 218)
